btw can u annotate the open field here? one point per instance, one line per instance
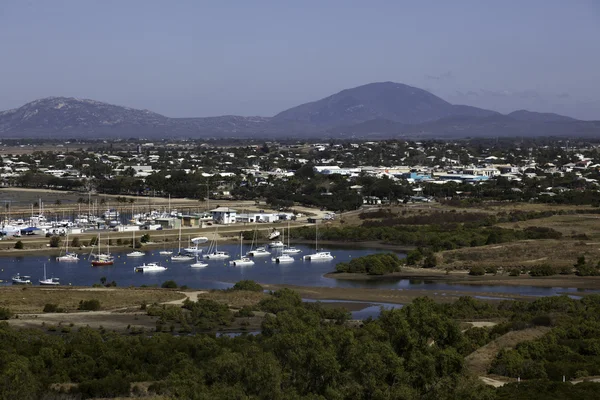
(28, 299)
(569, 225)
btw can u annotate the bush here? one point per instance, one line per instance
(477, 271)
(491, 270)
(430, 261)
(52, 308)
(374, 264)
(55, 241)
(89, 305)
(5, 313)
(145, 238)
(245, 311)
(514, 272)
(169, 285)
(542, 270)
(19, 245)
(76, 242)
(248, 285)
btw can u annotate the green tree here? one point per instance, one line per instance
(19, 245)
(55, 241)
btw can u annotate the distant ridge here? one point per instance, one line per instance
(382, 109)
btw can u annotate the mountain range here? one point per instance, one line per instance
(375, 110)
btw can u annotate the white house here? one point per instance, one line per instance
(223, 215)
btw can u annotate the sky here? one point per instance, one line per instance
(193, 58)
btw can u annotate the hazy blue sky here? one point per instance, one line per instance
(200, 58)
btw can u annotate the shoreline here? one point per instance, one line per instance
(462, 278)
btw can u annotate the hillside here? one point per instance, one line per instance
(382, 110)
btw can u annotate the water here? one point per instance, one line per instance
(372, 310)
(219, 275)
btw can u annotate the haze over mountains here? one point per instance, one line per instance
(376, 110)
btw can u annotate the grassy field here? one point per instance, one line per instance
(581, 236)
(32, 299)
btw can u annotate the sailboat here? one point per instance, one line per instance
(135, 253)
(103, 259)
(274, 234)
(288, 249)
(165, 252)
(319, 255)
(213, 252)
(68, 257)
(181, 256)
(198, 263)
(19, 279)
(258, 251)
(242, 261)
(282, 258)
(50, 281)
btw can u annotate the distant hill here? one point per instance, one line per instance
(382, 100)
(530, 116)
(381, 110)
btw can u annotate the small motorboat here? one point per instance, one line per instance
(136, 254)
(19, 279)
(150, 267)
(283, 259)
(182, 257)
(320, 256)
(258, 252)
(217, 255)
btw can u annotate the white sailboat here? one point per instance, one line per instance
(19, 279)
(181, 256)
(213, 252)
(49, 281)
(288, 249)
(282, 258)
(165, 252)
(274, 234)
(67, 257)
(258, 251)
(198, 263)
(135, 253)
(242, 261)
(319, 255)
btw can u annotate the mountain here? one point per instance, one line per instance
(530, 116)
(382, 100)
(381, 110)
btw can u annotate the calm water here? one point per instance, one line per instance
(219, 274)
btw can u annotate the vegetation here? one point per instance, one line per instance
(89, 305)
(374, 264)
(248, 285)
(55, 241)
(169, 285)
(5, 313)
(308, 351)
(19, 245)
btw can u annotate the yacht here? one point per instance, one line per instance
(319, 255)
(150, 267)
(288, 249)
(165, 252)
(283, 259)
(199, 240)
(181, 256)
(258, 252)
(242, 261)
(19, 279)
(276, 245)
(213, 252)
(49, 281)
(274, 234)
(217, 255)
(135, 253)
(67, 257)
(102, 259)
(198, 263)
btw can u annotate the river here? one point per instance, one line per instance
(219, 275)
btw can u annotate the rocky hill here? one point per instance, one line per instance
(381, 110)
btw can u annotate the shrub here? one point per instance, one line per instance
(491, 270)
(477, 270)
(542, 270)
(76, 242)
(89, 305)
(514, 272)
(430, 261)
(19, 245)
(5, 313)
(169, 285)
(55, 241)
(245, 311)
(52, 308)
(248, 285)
(145, 238)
